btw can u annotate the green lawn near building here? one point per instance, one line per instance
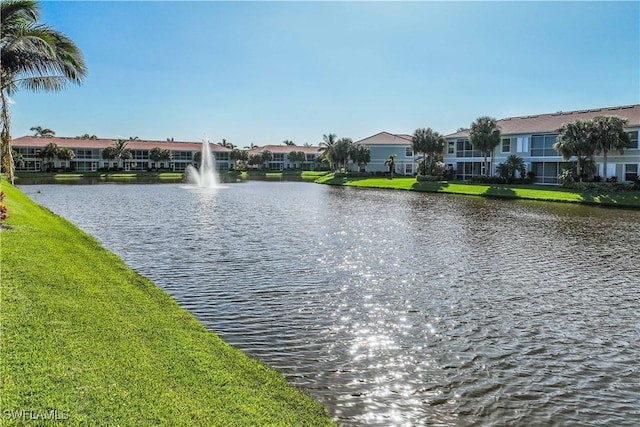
(87, 337)
(629, 199)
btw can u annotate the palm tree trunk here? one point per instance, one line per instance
(604, 165)
(486, 172)
(5, 139)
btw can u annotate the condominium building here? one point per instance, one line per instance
(532, 138)
(88, 154)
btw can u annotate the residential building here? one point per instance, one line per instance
(280, 160)
(532, 138)
(384, 144)
(88, 154)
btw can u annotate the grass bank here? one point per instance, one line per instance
(88, 341)
(99, 176)
(286, 174)
(629, 199)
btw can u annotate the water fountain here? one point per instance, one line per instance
(205, 177)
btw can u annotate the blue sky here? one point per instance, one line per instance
(263, 72)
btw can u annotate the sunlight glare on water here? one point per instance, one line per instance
(397, 308)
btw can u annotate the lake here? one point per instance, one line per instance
(394, 307)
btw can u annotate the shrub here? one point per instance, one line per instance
(3, 209)
(429, 178)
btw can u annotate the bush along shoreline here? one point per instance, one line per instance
(590, 195)
(88, 341)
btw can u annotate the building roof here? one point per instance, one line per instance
(386, 138)
(553, 121)
(285, 149)
(138, 144)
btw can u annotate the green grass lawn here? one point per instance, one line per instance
(629, 199)
(84, 335)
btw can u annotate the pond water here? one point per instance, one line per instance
(393, 307)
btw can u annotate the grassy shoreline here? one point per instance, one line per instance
(629, 200)
(85, 336)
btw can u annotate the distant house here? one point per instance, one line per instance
(88, 154)
(280, 160)
(382, 145)
(532, 138)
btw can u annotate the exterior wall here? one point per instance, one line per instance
(90, 160)
(405, 165)
(539, 156)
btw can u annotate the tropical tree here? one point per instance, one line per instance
(265, 157)
(197, 157)
(287, 142)
(297, 157)
(607, 133)
(224, 143)
(431, 145)
(157, 155)
(391, 163)
(484, 135)
(18, 158)
(33, 56)
(326, 148)
(66, 155)
(255, 159)
(340, 151)
(41, 132)
(510, 166)
(238, 155)
(118, 152)
(574, 140)
(86, 136)
(360, 154)
(109, 154)
(47, 154)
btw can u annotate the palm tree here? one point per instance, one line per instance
(287, 142)
(484, 136)
(431, 145)
(297, 157)
(86, 136)
(360, 154)
(18, 158)
(238, 155)
(255, 159)
(265, 157)
(47, 154)
(157, 155)
(510, 166)
(607, 133)
(39, 131)
(118, 151)
(66, 155)
(574, 140)
(224, 143)
(326, 148)
(34, 57)
(391, 163)
(340, 152)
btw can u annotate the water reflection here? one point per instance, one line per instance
(396, 308)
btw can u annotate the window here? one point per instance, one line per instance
(631, 172)
(278, 157)
(408, 152)
(542, 145)
(451, 147)
(546, 172)
(506, 145)
(522, 144)
(465, 149)
(408, 169)
(633, 137)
